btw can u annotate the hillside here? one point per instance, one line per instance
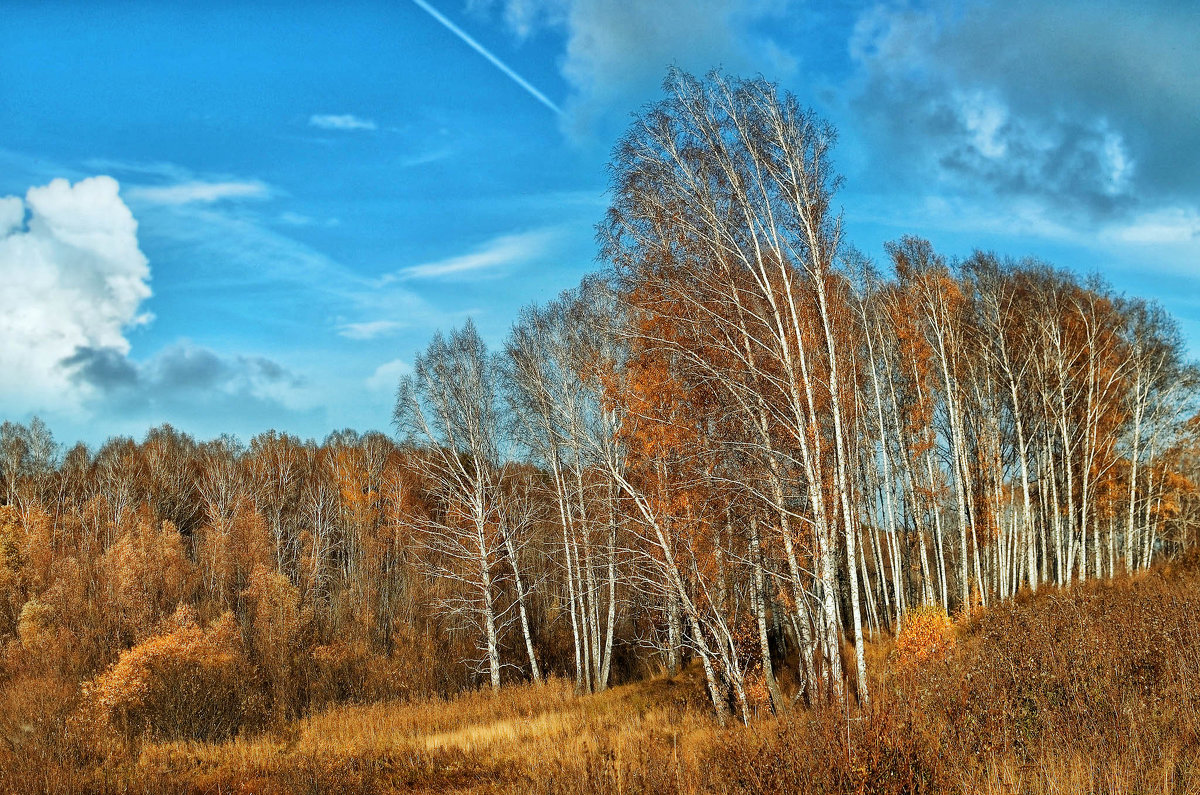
(1091, 689)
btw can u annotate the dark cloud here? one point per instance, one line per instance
(1090, 106)
(184, 380)
(107, 369)
(185, 367)
(270, 371)
(1133, 65)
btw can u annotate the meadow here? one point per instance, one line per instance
(1094, 688)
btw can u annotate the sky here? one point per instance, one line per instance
(235, 218)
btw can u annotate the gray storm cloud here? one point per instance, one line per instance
(1088, 105)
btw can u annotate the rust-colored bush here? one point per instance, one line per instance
(35, 627)
(926, 635)
(339, 672)
(191, 682)
(274, 620)
(147, 573)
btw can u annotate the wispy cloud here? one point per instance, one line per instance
(388, 375)
(1169, 225)
(369, 330)
(198, 192)
(256, 269)
(427, 157)
(496, 62)
(294, 219)
(291, 218)
(498, 252)
(340, 121)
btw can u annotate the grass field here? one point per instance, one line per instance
(1093, 689)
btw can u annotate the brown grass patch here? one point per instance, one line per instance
(1091, 689)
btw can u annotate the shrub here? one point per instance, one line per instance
(187, 683)
(273, 622)
(926, 635)
(340, 672)
(35, 626)
(147, 573)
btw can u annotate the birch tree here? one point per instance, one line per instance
(449, 403)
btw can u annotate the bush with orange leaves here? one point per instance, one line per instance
(188, 682)
(926, 635)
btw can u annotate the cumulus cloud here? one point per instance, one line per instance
(1078, 103)
(12, 215)
(74, 279)
(75, 283)
(199, 192)
(340, 121)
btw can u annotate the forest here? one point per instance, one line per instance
(743, 473)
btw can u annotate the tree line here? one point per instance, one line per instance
(742, 444)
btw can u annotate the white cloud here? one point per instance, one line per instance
(387, 375)
(1120, 166)
(498, 252)
(523, 17)
(984, 116)
(369, 330)
(963, 215)
(12, 214)
(342, 121)
(74, 277)
(198, 192)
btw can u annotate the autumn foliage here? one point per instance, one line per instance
(188, 682)
(926, 635)
(745, 473)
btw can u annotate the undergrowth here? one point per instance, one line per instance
(1090, 689)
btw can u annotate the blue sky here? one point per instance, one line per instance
(233, 219)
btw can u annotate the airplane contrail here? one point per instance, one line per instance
(479, 48)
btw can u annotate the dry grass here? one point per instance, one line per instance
(642, 737)
(1093, 689)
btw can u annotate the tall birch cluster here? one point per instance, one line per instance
(816, 448)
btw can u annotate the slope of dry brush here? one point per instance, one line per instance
(1090, 689)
